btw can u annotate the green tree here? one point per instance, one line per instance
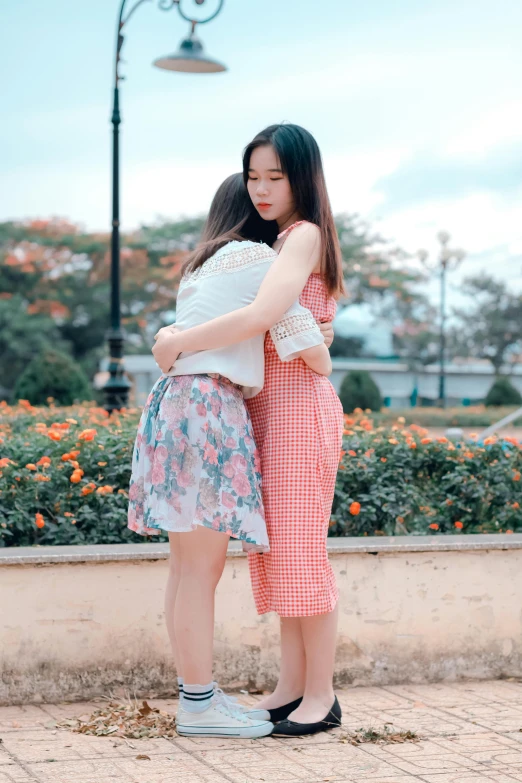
(53, 374)
(491, 326)
(22, 337)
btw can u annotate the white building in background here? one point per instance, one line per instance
(465, 383)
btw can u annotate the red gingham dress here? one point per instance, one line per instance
(297, 420)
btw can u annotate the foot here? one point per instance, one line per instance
(220, 720)
(312, 710)
(289, 728)
(279, 698)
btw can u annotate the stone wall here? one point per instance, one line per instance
(76, 622)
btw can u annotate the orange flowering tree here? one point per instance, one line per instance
(395, 479)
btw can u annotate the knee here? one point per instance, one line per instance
(202, 570)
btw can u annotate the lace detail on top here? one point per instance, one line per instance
(231, 258)
(293, 325)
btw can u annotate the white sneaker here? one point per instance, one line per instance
(231, 700)
(220, 720)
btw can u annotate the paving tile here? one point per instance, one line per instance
(336, 760)
(491, 690)
(494, 716)
(183, 769)
(372, 699)
(434, 694)
(468, 777)
(426, 721)
(24, 717)
(34, 746)
(15, 774)
(419, 758)
(251, 764)
(65, 711)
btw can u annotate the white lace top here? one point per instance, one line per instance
(230, 279)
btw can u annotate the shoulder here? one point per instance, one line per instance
(305, 233)
(233, 257)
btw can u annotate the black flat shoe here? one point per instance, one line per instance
(290, 728)
(275, 715)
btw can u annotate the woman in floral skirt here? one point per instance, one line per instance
(196, 469)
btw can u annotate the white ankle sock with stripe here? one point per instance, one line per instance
(180, 685)
(197, 698)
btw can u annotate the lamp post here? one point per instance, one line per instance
(190, 58)
(448, 260)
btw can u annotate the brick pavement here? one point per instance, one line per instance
(472, 732)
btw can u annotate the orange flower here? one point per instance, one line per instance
(449, 502)
(68, 514)
(459, 525)
(393, 441)
(469, 454)
(352, 453)
(44, 461)
(400, 520)
(434, 526)
(516, 504)
(413, 445)
(355, 508)
(358, 410)
(76, 476)
(490, 440)
(41, 477)
(54, 435)
(66, 457)
(39, 521)
(88, 488)
(516, 475)
(106, 490)
(30, 466)
(383, 459)
(5, 461)
(102, 464)
(424, 441)
(88, 434)
(509, 532)
(74, 463)
(341, 455)
(442, 440)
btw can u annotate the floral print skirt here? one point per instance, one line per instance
(195, 462)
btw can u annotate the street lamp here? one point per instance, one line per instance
(449, 259)
(190, 58)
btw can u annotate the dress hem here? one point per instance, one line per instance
(248, 546)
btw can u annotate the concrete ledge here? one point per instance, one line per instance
(107, 553)
(79, 622)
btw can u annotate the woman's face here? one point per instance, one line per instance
(268, 187)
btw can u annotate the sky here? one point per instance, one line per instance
(416, 107)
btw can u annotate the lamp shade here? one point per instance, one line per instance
(190, 58)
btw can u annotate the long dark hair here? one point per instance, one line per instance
(231, 216)
(301, 162)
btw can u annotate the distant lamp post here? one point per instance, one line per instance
(190, 58)
(449, 259)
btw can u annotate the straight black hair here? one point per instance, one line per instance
(300, 160)
(231, 216)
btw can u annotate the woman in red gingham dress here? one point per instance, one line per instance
(297, 422)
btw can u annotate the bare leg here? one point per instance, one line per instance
(319, 637)
(171, 591)
(291, 683)
(202, 560)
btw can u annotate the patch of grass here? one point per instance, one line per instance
(388, 735)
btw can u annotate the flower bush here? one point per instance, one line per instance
(64, 477)
(397, 479)
(64, 474)
(462, 416)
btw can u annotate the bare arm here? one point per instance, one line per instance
(318, 359)
(281, 287)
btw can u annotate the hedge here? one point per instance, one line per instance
(64, 476)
